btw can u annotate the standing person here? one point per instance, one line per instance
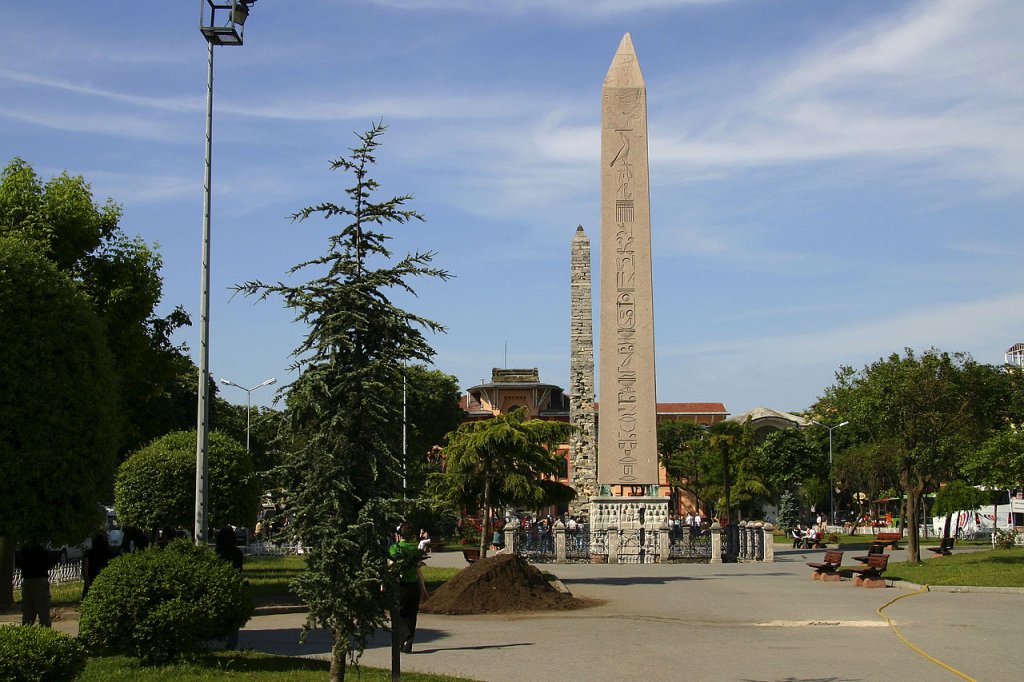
(424, 544)
(226, 550)
(697, 521)
(95, 560)
(411, 588)
(36, 563)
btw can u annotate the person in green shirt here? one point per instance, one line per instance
(411, 588)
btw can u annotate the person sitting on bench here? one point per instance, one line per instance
(798, 536)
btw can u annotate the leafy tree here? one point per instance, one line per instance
(155, 486)
(119, 274)
(953, 497)
(999, 462)
(500, 462)
(343, 472)
(786, 458)
(58, 414)
(264, 425)
(866, 468)
(681, 446)
(432, 411)
(731, 468)
(926, 410)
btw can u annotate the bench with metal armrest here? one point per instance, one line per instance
(827, 569)
(870, 575)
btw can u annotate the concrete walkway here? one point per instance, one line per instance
(747, 622)
(723, 622)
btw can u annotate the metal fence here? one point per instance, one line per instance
(690, 548)
(536, 545)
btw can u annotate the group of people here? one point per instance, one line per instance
(691, 525)
(807, 536)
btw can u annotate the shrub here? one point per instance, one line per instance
(155, 487)
(160, 604)
(1004, 538)
(37, 653)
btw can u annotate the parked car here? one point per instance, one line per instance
(65, 553)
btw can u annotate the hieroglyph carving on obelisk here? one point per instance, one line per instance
(627, 437)
(582, 445)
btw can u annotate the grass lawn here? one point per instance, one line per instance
(991, 568)
(239, 666)
(269, 578)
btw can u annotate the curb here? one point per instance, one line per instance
(906, 585)
(279, 610)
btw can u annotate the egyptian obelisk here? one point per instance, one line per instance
(627, 451)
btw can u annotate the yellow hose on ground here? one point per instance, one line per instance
(911, 645)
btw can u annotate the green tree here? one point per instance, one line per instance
(999, 462)
(432, 410)
(927, 411)
(953, 497)
(502, 461)
(681, 447)
(731, 469)
(155, 486)
(343, 472)
(786, 459)
(58, 414)
(120, 275)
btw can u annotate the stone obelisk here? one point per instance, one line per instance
(582, 446)
(627, 437)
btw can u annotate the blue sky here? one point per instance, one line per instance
(831, 181)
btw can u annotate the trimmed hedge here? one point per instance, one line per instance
(161, 604)
(31, 653)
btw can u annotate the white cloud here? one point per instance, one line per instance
(951, 327)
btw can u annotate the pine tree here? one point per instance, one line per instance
(344, 474)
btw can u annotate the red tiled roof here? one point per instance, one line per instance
(688, 408)
(692, 408)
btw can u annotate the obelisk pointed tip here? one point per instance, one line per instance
(626, 44)
(625, 69)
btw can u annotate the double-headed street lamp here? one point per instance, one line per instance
(221, 23)
(248, 401)
(831, 488)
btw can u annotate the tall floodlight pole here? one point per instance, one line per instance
(248, 401)
(221, 24)
(831, 488)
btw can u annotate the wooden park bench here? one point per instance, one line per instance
(876, 548)
(826, 569)
(888, 540)
(471, 555)
(870, 575)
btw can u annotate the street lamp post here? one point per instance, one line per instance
(248, 401)
(831, 488)
(221, 23)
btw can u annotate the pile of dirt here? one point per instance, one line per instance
(499, 584)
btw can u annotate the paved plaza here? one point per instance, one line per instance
(756, 622)
(704, 622)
